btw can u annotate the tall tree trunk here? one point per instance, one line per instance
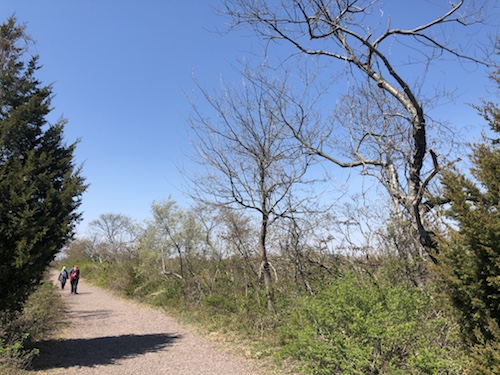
(265, 266)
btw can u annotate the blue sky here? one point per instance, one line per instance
(120, 70)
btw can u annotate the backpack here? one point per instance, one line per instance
(74, 274)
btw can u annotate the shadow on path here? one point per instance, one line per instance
(98, 351)
(89, 314)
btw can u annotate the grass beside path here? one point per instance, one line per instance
(42, 318)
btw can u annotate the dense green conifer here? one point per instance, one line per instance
(471, 253)
(40, 186)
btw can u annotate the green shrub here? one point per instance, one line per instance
(19, 331)
(14, 356)
(43, 312)
(358, 326)
(220, 303)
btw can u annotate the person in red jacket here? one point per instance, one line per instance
(74, 276)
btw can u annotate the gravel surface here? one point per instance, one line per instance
(110, 335)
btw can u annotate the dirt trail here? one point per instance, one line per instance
(109, 335)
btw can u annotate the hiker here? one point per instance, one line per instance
(63, 277)
(74, 276)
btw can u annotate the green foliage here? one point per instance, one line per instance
(220, 303)
(42, 313)
(40, 187)
(165, 293)
(370, 321)
(40, 317)
(367, 322)
(469, 261)
(361, 326)
(15, 356)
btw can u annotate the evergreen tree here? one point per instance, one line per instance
(471, 254)
(40, 186)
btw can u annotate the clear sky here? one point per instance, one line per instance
(120, 69)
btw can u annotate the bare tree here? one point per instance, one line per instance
(179, 232)
(173, 249)
(383, 112)
(250, 158)
(114, 234)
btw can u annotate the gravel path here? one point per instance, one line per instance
(110, 335)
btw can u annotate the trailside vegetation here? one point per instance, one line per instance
(333, 312)
(39, 319)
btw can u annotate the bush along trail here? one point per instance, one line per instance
(109, 335)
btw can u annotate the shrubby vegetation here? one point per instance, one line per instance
(41, 316)
(359, 325)
(332, 313)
